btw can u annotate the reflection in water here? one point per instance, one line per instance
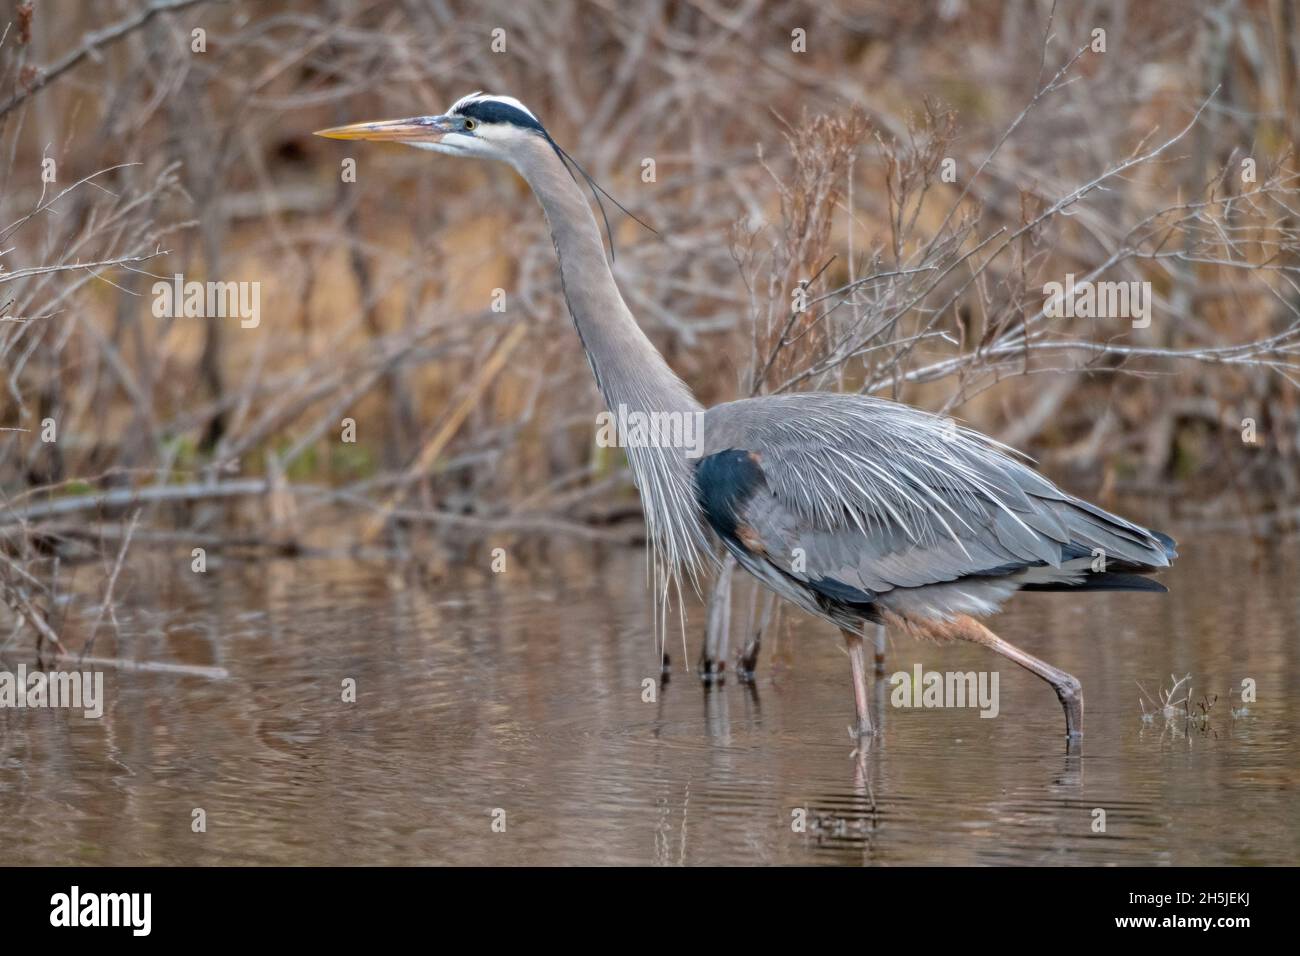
(528, 696)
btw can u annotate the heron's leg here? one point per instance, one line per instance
(1068, 690)
(713, 657)
(748, 662)
(880, 650)
(749, 656)
(861, 699)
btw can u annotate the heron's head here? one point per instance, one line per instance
(492, 127)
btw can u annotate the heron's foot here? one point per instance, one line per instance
(1070, 692)
(747, 663)
(861, 730)
(711, 671)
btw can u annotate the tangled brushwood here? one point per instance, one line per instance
(880, 212)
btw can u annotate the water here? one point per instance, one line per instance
(523, 693)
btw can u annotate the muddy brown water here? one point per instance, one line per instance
(519, 699)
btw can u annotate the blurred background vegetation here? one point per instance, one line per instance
(773, 166)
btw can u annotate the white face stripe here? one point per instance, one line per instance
(481, 97)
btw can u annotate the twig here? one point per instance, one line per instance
(91, 43)
(148, 667)
(107, 601)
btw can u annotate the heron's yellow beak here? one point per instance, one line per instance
(417, 129)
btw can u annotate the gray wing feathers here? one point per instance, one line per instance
(877, 495)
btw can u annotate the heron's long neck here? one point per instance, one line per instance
(628, 368)
(630, 372)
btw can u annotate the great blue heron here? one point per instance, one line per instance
(854, 508)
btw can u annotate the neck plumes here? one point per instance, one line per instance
(637, 383)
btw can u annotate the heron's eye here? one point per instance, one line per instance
(470, 123)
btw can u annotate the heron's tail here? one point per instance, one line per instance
(1126, 573)
(1106, 581)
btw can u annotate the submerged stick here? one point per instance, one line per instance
(150, 667)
